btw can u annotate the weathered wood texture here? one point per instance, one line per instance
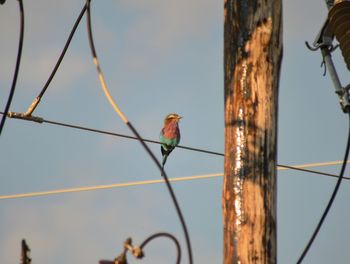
(252, 58)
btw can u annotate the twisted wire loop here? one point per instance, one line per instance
(171, 237)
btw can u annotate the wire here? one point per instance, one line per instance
(330, 202)
(138, 183)
(99, 71)
(284, 167)
(317, 164)
(63, 52)
(18, 62)
(177, 244)
(58, 63)
(109, 186)
(99, 131)
(126, 121)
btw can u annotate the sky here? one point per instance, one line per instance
(157, 57)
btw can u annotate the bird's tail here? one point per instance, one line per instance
(165, 156)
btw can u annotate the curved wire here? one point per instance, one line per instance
(131, 127)
(330, 202)
(65, 48)
(58, 63)
(170, 236)
(18, 62)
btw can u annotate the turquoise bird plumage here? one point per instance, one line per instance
(169, 135)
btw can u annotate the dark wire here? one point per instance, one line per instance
(126, 136)
(311, 171)
(329, 205)
(18, 62)
(94, 130)
(62, 53)
(153, 157)
(178, 248)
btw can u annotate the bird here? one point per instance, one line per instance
(169, 135)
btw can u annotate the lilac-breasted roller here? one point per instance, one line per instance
(169, 135)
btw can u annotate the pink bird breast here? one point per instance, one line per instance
(171, 130)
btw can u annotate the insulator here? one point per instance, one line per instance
(339, 23)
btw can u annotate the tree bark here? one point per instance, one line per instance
(252, 58)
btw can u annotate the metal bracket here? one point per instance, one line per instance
(324, 42)
(25, 117)
(32, 107)
(136, 251)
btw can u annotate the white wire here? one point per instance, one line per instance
(137, 183)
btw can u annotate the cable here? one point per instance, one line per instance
(138, 251)
(109, 186)
(138, 183)
(284, 167)
(63, 52)
(58, 63)
(99, 131)
(18, 62)
(94, 130)
(335, 191)
(126, 121)
(177, 244)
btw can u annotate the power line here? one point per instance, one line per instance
(331, 200)
(18, 62)
(301, 168)
(127, 136)
(149, 182)
(57, 65)
(65, 48)
(99, 131)
(110, 133)
(109, 186)
(308, 165)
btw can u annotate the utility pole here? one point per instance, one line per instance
(252, 59)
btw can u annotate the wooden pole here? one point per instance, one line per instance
(252, 58)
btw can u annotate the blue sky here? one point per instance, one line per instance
(157, 57)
